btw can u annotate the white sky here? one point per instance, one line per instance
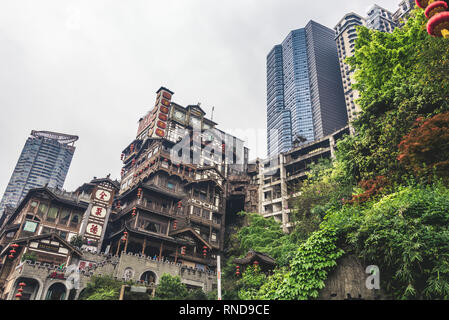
(92, 67)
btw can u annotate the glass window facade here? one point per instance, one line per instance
(44, 160)
(304, 88)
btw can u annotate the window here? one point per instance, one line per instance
(52, 214)
(65, 215)
(197, 211)
(45, 230)
(76, 218)
(170, 185)
(42, 209)
(152, 227)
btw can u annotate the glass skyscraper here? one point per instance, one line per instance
(45, 160)
(305, 99)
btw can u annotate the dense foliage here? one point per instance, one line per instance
(385, 197)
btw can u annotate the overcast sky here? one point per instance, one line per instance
(91, 68)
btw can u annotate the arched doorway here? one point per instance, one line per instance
(30, 290)
(149, 277)
(57, 291)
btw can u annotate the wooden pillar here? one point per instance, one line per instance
(160, 251)
(144, 245)
(126, 243)
(176, 254)
(118, 248)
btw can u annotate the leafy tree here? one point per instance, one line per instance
(308, 269)
(251, 282)
(400, 77)
(425, 150)
(324, 188)
(407, 235)
(77, 241)
(170, 288)
(101, 288)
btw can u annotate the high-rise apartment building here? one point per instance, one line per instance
(305, 99)
(377, 18)
(403, 13)
(45, 160)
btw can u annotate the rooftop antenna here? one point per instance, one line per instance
(212, 115)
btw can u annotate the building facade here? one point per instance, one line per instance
(166, 215)
(378, 19)
(279, 177)
(45, 160)
(305, 99)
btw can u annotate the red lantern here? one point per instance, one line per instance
(256, 263)
(160, 133)
(163, 117)
(22, 284)
(10, 256)
(175, 224)
(164, 109)
(237, 272)
(15, 246)
(134, 211)
(19, 295)
(20, 290)
(12, 251)
(166, 95)
(180, 204)
(139, 193)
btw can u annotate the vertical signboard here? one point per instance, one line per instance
(101, 203)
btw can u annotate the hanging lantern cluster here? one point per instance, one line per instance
(139, 193)
(237, 271)
(134, 212)
(20, 290)
(179, 204)
(175, 224)
(13, 251)
(204, 251)
(183, 250)
(125, 236)
(436, 12)
(256, 264)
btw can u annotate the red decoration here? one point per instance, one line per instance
(139, 193)
(175, 224)
(438, 25)
(163, 117)
(160, 132)
(183, 250)
(166, 95)
(134, 211)
(164, 109)
(435, 8)
(180, 204)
